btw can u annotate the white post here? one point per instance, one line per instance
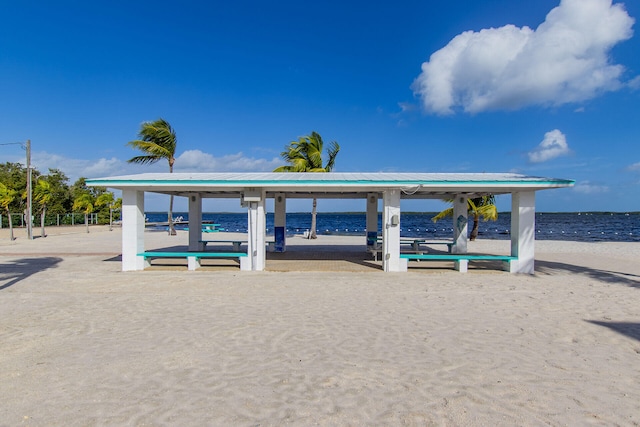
(280, 223)
(391, 232)
(372, 220)
(29, 192)
(132, 229)
(460, 225)
(256, 250)
(523, 238)
(195, 222)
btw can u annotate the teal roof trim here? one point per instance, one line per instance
(240, 182)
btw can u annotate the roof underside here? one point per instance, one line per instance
(331, 185)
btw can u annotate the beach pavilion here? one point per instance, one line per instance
(253, 189)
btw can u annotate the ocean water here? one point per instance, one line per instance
(586, 227)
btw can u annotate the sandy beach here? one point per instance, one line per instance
(315, 340)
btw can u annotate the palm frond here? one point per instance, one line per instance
(305, 155)
(144, 159)
(157, 141)
(488, 212)
(332, 151)
(447, 213)
(84, 202)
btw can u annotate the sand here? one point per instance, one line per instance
(84, 343)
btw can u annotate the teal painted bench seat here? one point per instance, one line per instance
(414, 243)
(461, 261)
(235, 243)
(193, 258)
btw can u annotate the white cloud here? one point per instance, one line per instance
(406, 106)
(76, 168)
(634, 167)
(198, 161)
(564, 60)
(553, 145)
(189, 161)
(587, 187)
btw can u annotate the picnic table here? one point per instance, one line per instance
(415, 244)
(235, 243)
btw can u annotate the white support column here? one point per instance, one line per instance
(132, 229)
(280, 223)
(372, 220)
(523, 225)
(256, 250)
(460, 225)
(391, 232)
(195, 222)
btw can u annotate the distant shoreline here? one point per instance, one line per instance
(404, 212)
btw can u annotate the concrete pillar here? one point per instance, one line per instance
(195, 222)
(257, 224)
(391, 232)
(280, 223)
(372, 220)
(132, 229)
(460, 225)
(523, 225)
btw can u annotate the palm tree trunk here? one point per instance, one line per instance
(42, 217)
(86, 221)
(312, 232)
(172, 229)
(110, 219)
(10, 226)
(474, 231)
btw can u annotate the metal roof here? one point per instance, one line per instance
(332, 184)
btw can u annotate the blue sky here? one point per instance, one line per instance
(547, 88)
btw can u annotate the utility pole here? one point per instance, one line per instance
(27, 148)
(29, 199)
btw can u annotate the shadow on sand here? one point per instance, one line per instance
(630, 329)
(618, 277)
(12, 272)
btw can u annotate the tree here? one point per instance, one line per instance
(84, 202)
(157, 141)
(484, 206)
(7, 196)
(305, 155)
(108, 199)
(42, 194)
(61, 201)
(14, 176)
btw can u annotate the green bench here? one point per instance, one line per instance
(414, 243)
(193, 258)
(438, 242)
(211, 228)
(235, 243)
(461, 261)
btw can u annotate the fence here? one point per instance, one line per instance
(19, 220)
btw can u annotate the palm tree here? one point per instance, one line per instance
(484, 206)
(42, 194)
(113, 204)
(157, 141)
(305, 155)
(84, 202)
(7, 196)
